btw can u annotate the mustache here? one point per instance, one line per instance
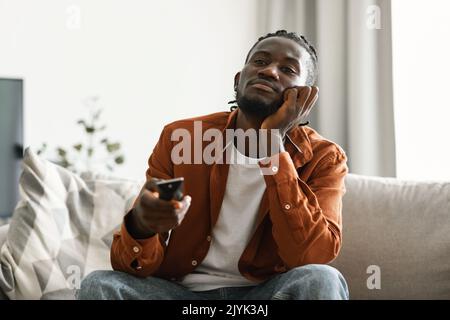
(239, 95)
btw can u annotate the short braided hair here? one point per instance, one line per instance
(311, 62)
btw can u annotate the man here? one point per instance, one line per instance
(238, 233)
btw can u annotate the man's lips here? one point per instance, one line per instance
(263, 85)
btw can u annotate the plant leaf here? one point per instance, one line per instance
(78, 147)
(90, 151)
(89, 129)
(42, 149)
(61, 152)
(111, 147)
(64, 163)
(119, 160)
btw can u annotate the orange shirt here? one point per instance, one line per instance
(298, 223)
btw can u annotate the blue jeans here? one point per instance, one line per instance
(314, 281)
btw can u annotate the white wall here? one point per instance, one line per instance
(151, 62)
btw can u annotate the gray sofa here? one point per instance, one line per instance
(3, 232)
(396, 240)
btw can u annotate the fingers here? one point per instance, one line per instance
(150, 185)
(162, 208)
(314, 94)
(310, 106)
(304, 94)
(150, 201)
(288, 109)
(300, 97)
(185, 204)
(161, 221)
(290, 97)
(306, 99)
(181, 206)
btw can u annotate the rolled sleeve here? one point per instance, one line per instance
(141, 257)
(306, 216)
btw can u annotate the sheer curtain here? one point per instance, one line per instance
(355, 107)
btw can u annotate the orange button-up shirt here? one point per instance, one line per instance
(298, 222)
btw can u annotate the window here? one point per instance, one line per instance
(421, 74)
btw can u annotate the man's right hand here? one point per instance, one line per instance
(152, 215)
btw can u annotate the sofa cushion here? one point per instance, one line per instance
(61, 229)
(396, 239)
(3, 232)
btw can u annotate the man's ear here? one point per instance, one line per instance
(236, 80)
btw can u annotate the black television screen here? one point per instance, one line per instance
(11, 141)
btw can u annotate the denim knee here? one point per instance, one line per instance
(319, 272)
(317, 281)
(330, 280)
(93, 285)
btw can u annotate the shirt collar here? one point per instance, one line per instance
(297, 142)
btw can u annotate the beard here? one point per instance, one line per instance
(256, 107)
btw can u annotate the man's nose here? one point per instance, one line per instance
(269, 71)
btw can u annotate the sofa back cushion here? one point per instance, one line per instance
(61, 229)
(3, 233)
(396, 239)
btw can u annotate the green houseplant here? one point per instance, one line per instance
(95, 152)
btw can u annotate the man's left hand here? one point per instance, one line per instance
(298, 102)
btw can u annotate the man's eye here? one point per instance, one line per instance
(259, 62)
(288, 70)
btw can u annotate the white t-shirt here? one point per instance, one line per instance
(234, 228)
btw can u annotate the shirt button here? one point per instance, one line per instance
(274, 169)
(208, 238)
(194, 262)
(287, 206)
(136, 249)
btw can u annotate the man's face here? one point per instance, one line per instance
(274, 65)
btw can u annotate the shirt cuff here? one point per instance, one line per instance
(135, 248)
